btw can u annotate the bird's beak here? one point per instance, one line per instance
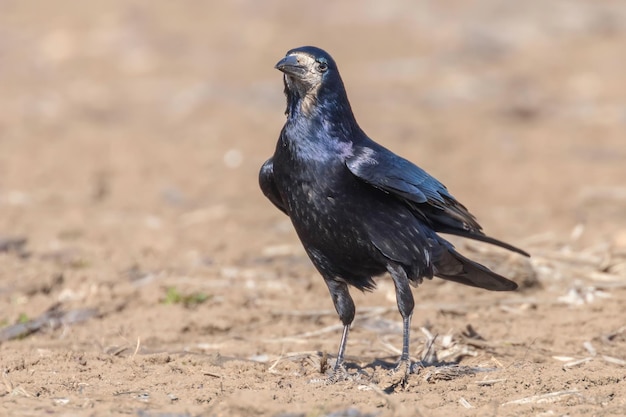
(290, 65)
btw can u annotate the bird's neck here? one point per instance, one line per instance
(325, 107)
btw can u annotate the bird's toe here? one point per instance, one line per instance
(339, 373)
(401, 372)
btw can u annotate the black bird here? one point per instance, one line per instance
(359, 209)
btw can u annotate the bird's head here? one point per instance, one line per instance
(306, 68)
(309, 74)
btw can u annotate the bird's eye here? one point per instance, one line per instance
(322, 66)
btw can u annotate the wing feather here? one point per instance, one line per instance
(428, 198)
(268, 186)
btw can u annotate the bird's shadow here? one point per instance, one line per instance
(388, 374)
(391, 364)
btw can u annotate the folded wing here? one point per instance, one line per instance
(428, 198)
(268, 186)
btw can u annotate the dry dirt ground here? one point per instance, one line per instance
(143, 273)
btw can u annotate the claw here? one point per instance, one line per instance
(401, 372)
(340, 373)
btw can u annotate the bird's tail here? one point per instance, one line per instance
(453, 266)
(478, 235)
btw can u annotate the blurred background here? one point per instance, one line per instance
(132, 132)
(137, 128)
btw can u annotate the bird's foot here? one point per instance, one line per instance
(401, 372)
(339, 373)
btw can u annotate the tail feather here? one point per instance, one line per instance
(483, 238)
(453, 266)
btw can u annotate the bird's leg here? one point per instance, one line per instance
(404, 298)
(345, 308)
(342, 347)
(406, 330)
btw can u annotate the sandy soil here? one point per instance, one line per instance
(143, 273)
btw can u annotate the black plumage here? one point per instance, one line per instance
(359, 209)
